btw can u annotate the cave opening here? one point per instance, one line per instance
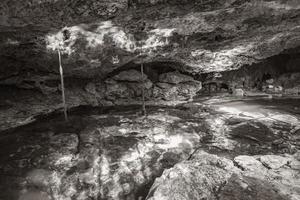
(278, 75)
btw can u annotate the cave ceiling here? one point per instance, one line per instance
(97, 37)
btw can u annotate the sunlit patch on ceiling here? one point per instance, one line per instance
(216, 61)
(106, 34)
(157, 38)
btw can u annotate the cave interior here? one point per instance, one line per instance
(149, 100)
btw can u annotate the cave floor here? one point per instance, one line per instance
(115, 153)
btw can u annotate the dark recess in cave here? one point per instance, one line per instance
(255, 76)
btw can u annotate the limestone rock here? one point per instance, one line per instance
(189, 89)
(292, 91)
(249, 188)
(207, 176)
(117, 90)
(196, 179)
(278, 89)
(91, 88)
(138, 87)
(130, 76)
(281, 178)
(175, 78)
(127, 90)
(165, 91)
(181, 91)
(39, 178)
(238, 92)
(274, 161)
(248, 163)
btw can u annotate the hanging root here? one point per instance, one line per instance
(62, 86)
(143, 91)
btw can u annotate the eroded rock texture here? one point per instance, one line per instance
(117, 154)
(208, 176)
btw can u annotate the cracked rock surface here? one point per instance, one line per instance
(114, 153)
(207, 176)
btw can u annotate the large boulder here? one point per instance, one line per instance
(165, 91)
(238, 92)
(181, 91)
(197, 179)
(116, 90)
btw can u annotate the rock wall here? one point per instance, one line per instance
(25, 98)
